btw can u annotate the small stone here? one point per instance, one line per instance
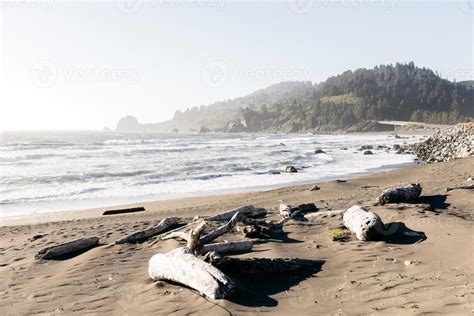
(368, 152)
(319, 151)
(408, 262)
(290, 169)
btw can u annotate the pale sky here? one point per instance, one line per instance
(83, 65)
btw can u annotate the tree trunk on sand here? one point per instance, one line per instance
(366, 225)
(400, 194)
(66, 248)
(182, 266)
(147, 233)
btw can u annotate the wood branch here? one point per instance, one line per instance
(224, 247)
(124, 210)
(261, 265)
(465, 187)
(401, 206)
(194, 235)
(182, 266)
(400, 194)
(323, 214)
(67, 248)
(220, 230)
(149, 232)
(366, 225)
(177, 235)
(247, 210)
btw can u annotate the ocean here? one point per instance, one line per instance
(44, 172)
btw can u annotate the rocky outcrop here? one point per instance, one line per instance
(128, 123)
(457, 142)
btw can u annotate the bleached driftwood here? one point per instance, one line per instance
(223, 247)
(260, 265)
(147, 233)
(401, 206)
(182, 266)
(247, 210)
(465, 187)
(323, 214)
(366, 225)
(177, 235)
(400, 194)
(66, 248)
(285, 210)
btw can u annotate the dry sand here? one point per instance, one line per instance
(394, 277)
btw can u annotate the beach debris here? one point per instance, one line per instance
(319, 151)
(365, 224)
(182, 266)
(290, 169)
(149, 232)
(465, 187)
(260, 265)
(341, 181)
(323, 214)
(124, 211)
(469, 179)
(67, 248)
(399, 194)
(401, 206)
(224, 247)
(315, 188)
(247, 210)
(407, 262)
(35, 237)
(368, 152)
(285, 210)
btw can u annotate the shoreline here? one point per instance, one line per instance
(41, 216)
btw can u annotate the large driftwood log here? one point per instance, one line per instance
(260, 265)
(247, 210)
(400, 194)
(66, 248)
(147, 233)
(224, 247)
(366, 225)
(182, 266)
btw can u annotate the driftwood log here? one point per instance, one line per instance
(400, 194)
(124, 211)
(147, 233)
(224, 247)
(260, 265)
(181, 265)
(67, 248)
(366, 225)
(247, 210)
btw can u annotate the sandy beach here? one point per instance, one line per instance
(395, 277)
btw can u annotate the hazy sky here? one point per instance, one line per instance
(83, 65)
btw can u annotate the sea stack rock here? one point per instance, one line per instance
(128, 123)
